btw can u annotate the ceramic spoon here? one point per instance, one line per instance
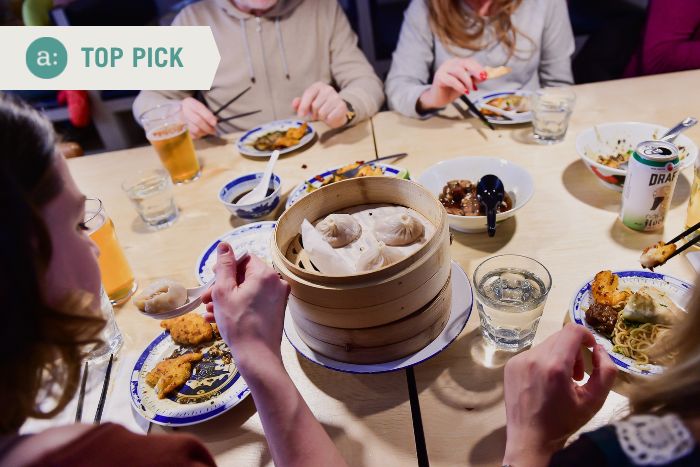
(260, 191)
(490, 193)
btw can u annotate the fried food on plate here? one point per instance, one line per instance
(297, 132)
(172, 373)
(281, 139)
(656, 255)
(496, 72)
(189, 329)
(605, 289)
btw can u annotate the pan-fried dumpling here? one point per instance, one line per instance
(339, 229)
(649, 305)
(376, 256)
(160, 296)
(398, 229)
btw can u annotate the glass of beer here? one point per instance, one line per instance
(117, 278)
(693, 216)
(167, 131)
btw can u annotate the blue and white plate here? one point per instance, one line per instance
(255, 238)
(677, 290)
(214, 387)
(462, 301)
(523, 117)
(300, 191)
(245, 142)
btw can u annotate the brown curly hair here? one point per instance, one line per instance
(456, 26)
(41, 347)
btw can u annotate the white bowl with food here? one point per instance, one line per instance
(606, 148)
(518, 183)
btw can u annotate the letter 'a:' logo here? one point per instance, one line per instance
(46, 57)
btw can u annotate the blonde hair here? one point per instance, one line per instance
(456, 26)
(678, 388)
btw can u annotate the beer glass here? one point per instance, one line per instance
(117, 278)
(693, 216)
(167, 131)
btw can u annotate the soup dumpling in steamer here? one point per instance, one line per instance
(339, 229)
(398, 229)
(376, 256)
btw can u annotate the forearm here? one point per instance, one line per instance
(293, 434)
(365, 95)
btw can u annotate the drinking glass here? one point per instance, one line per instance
(151, 192)
(117, 278)
(511, 291)
(693, 215)
(111, 337)
(167, 131)
(551, 109)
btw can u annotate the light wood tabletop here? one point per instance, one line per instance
(570, 225)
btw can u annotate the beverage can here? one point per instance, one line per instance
(651, 178)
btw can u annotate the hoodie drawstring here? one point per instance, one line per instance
(280, 43)
(249, 57)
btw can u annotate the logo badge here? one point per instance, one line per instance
(46, 57)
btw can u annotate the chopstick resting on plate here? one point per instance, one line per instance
(476, 111)
(659, 253)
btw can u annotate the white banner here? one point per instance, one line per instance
(117, 57)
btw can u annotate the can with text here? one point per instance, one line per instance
(651, 178)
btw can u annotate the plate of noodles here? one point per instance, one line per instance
(630, 314)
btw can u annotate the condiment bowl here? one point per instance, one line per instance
(237, 187)
(517, 182)
(608, 139)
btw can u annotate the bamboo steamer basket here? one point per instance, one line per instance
(370, 316)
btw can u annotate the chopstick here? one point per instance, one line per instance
(685, 233)
(233, 99)
(81, 395)
(103, 395)
(476, 111)
(238, 116)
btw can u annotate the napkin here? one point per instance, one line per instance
(694, 260)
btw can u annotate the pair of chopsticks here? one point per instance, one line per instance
(103, 394)
(688, 244)
(227, 104)
(476, 111)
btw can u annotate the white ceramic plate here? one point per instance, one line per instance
(462, 301)
(523, 117)
(245, 142)
(678, 290)
(300, 191)
(254, 238)
(214, 387)
(517, 182)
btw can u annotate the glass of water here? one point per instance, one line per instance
(511, 291)
(551, 109)
(151, 192)
(111, 337)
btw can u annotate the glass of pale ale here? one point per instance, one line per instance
(167, 131)
(117, 278)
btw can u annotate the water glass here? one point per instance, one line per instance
(111, 337)
(151, 192)
(511, 291)
(551, 109)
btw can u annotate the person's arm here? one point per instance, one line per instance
(412, 62)
(557, 46)
(358, 83)
(668, 43)
(248, 302)
(544, 404)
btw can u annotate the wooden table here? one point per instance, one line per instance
(570, 225)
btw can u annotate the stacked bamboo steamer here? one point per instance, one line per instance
(370, 317)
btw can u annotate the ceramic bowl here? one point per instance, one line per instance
(620, 137)
(517, 182)
(243, 184)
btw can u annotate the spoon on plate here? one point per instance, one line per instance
(194, 296)
(260, 191)
(490, 193)
(673, 133)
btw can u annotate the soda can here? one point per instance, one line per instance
(651, 177)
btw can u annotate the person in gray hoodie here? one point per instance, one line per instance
(300, 57)
(444, 46)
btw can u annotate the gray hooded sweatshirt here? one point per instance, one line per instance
(279, 54)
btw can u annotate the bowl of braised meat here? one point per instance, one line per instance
(454, 182)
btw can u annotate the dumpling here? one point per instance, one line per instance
(160, 296)
(339, 229)
(376, 256)
(398, 229)
(649, 305)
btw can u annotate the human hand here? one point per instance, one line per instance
(544, 406)
(322, 102)
(455, 77)
(247, 301)
(200, 120)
